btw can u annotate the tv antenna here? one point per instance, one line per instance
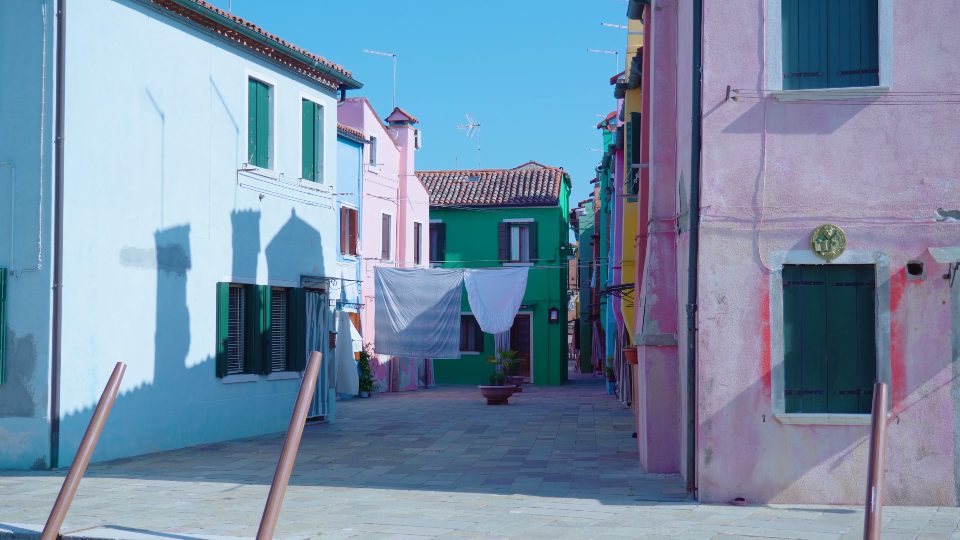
(472, 127)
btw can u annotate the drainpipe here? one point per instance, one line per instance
(695, 144)
(57, 315)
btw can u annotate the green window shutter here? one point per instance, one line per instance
(318, 142)
(309, 140)
(3, 323)
(503, 242)
(252, 94)
(829, 338)
(258, 123)
(297, 330)
(223, 327)
(257, 335)
(853, 53)
(804, 34)
(635, 147)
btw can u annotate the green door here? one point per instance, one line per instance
(830, 356)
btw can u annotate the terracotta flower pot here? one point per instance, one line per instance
(497, 395)
(630, 353)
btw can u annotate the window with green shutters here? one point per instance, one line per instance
(312, 137)
(3, 323)
(830, 353)
(260, 329)
(633, 150)
(258, 123)
(830, 43)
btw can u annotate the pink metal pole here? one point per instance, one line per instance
(89, 442)
(271, 512)
(878, 440)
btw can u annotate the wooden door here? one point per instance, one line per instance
(520, 341)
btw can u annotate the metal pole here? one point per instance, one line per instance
(394, 81)
(878, 440)
(70, 484)
(271, 511)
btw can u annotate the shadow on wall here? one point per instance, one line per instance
(773, 464)
(172, 412)
(767, 115)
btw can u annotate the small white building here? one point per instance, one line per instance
(167, 199)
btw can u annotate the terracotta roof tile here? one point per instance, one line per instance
(356, 133)
(210, 22)
(531, 184)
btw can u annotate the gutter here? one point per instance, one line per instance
(346, 82)
(694, 244)
(56, 335)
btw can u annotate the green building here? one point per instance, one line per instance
(506, 217)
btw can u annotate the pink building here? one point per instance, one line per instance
(807, 114)
(394, 220)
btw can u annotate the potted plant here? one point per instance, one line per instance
(630, 353)
(509, 360)
(498, 391)
(366, 376)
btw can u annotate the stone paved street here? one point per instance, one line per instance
(555, 463)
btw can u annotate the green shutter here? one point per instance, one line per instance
(853, 53)
(318, 142)
(258, 123)
(261, 330)
(829, 338)
(804, 33)
(534, 243)
(223, 326)
(297, 330)
(3, 323)
(309, 153)
(251, 121)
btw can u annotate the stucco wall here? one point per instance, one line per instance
(26, 165)
(349, 186)
(156, 213)
(772, 171)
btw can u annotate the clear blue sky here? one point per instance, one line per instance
(520, 67)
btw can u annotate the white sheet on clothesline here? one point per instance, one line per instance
(495, 296)
(418, 312)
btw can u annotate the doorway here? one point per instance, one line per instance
(521, 334)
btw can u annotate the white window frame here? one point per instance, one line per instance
(393, 227)
(774, 59)
(881, 264)
(356, 209)
(472, 353)
(272, 168)
(322, 173)
(519, 221)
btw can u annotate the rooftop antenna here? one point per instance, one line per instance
(612, 25)
(472, 127)
(616, 57)
(394, 57)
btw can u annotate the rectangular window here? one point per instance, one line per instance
(312, 140)
(417, 242)
(278, 329)
(518, 241)
(386, 234)
(258, 123)
(349, 227)
(236, 333)
(471, 336)
(373, 150)
(830, 43)
(260, 329)
(438, 238)
(830, 354)
(3, 322)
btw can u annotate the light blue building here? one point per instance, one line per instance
(168, 180)
(349, 205)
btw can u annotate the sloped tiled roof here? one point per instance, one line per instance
(399, 115)
(347, 130)
(530, 184)
(267, 44)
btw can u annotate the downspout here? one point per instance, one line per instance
(57, 315)
(692, 257)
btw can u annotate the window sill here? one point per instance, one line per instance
(825, 419)
(244, 378)
(347, 257)
(269, 173)
(470, 353)
(315, 185)
(815, 94)
(283, 375)
(518, 264)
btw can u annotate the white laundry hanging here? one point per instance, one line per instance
(495, 296)
(418, 312)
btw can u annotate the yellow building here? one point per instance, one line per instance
(632, 105)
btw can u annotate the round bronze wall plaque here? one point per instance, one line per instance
(828, 241)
